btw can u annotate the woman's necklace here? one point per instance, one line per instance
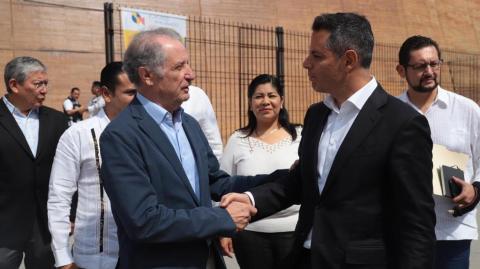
(269, 132)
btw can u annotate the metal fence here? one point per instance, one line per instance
(227, 55)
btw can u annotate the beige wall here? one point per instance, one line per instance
(68, 35)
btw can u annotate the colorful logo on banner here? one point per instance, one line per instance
(138, 19)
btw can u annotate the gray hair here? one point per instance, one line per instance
(20, 67)
(143, 51)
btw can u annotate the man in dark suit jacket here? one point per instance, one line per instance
(159, 171)
(29, 133)
(364, 175)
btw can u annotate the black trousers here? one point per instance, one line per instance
(38, 255)
(255, 250)
(305, 259)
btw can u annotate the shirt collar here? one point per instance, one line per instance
(442, 97)
(158, 113)
(358, 99)
(15, 111)
(103, 116)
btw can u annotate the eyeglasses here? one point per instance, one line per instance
(435, 65)
(40, 84)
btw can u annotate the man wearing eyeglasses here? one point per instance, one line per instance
(76, 167)
(29, 133)
(455, 123)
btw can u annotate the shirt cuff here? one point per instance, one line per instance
(62, 257)
(250, 196)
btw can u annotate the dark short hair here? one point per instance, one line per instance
(19, 68)
(415, 42)
(283, 118)
(74, 89)
(109, 75)
(347, 31)
(96, 84)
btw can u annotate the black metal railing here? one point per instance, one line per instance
(227, 55)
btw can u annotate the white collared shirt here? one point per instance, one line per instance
(336, 128)
(95, 105)
(454, 123)
(200, 108)
(75, 166)
(29, 124)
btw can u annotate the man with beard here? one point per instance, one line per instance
(455, 123)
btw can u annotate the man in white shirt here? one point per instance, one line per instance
(97, 102)
(76, 166)
(455, 123)
(200, 108)
(72, 107)
(365, 164)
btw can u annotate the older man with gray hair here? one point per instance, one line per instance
(159, 171)
(29, 134)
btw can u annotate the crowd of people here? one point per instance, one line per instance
(133, 185)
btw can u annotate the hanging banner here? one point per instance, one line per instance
(137, 20)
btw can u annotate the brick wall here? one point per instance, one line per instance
(68, 35)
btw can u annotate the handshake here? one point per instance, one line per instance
(240, 208)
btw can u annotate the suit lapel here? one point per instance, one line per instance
(366, 120)
(153, 131)
(195, 141)
(319, 120)
(7, 121)
(44, 129)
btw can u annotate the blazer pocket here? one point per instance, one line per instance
(365, 252)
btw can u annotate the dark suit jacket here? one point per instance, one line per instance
(376, 209)
(161, 222)
(24, 177)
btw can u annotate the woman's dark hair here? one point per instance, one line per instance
(282, 116)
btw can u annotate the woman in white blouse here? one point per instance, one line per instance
(268, 142)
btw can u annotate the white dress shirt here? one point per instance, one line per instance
(95, 105)
(454, 123)
(29, 124)
(247, 156)
(75, 167)
(200, 107)
(336, 128)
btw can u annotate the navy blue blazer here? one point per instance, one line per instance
(161, 222)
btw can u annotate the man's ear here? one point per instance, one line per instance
(106, 94)
(401, 70)
(146, 76)
(351, 59)
(13, 85)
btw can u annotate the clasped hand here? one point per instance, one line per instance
(466, 200)
(239, 207)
